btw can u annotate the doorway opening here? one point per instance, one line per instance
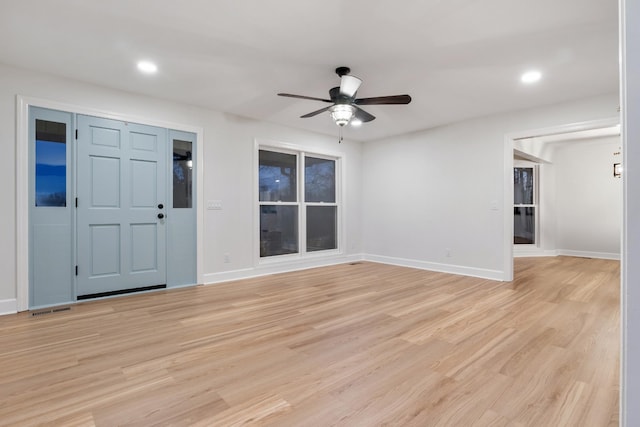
(538, 147)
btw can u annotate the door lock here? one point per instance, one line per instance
(160, 215)
(160, 206)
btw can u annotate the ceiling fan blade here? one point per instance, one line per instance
(349, 85)
(362, 115)
(381, 100)
(315, 113)
(289, 95)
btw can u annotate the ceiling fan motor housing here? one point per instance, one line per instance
(343, 71)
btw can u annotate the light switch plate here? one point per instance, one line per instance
(214, 205)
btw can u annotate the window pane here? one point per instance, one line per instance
(319, 180)
(523, 186)
(277, 177)
(321, 228)
(524, 226)
(51, 163)
(278, 230)
(182, 174)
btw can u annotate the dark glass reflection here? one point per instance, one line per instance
(523, 186)
(321, 228)
(278, 230)
(277, 175)
(182, 174)
(319, 180)
(524, 226)
(51, 164)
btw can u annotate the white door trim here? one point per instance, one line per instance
(23, 181)
(508, 176)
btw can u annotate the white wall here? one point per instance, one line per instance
(588, 197)
(444, 189)
(630, 322)
(548, 209)
(228, 168)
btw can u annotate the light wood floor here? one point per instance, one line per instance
(350, 345)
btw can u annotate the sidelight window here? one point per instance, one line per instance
(51, 163)
(182, 174)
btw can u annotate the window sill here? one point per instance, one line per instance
(291, 258)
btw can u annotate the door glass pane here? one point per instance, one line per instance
(319, 180)
(182, 174)
(51, 163)
(524, 226)
(278, 230)
(277, 175)
(321, 228)
(523, 186)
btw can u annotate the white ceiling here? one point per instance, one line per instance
(457, 58)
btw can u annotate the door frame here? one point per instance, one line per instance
(509, 140)
(23, 181)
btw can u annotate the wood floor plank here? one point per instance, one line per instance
(361, 344)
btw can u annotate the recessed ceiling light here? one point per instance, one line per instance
(147, 67)
(531, 76)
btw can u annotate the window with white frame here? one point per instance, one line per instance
(525, 204)
(298, 202)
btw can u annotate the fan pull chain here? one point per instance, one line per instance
(339, 134)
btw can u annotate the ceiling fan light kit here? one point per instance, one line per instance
(349, 85)
(342, 113)
(345, 104)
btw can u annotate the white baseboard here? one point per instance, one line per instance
(274, 268)
(586, 254)
(8, 306)
(521, 253)
(442, 268)
(564, 252)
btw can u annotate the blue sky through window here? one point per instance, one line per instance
(51, 173)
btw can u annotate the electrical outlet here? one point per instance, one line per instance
(447, 253)
(227, 258)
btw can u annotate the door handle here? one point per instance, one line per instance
(160, 215)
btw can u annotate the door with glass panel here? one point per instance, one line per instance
(121, 207)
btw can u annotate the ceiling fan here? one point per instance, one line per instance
(345, 105)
